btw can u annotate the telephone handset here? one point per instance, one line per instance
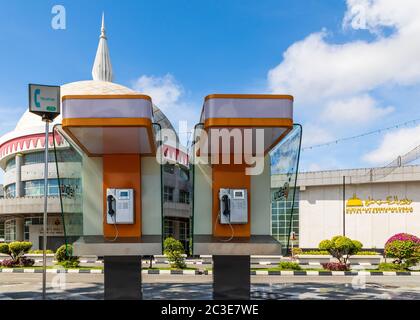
(233, 207)
(111, 200)
(120, 206)
(226, 204)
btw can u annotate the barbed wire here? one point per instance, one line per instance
(337, 141)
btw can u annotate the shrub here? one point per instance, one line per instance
(391, 267)
(367, 253)
(69, 264)
(17, 249)
(341, 248)
(335, 266)
(296, 251)
(40, 251)
(21, 262)
(4, 248)
(286, 265)
(65, 257)
(26, 262)
(62, 254)
(316, 252)
(174, 250)
(404, 247)
(8, 263)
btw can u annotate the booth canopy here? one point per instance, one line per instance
(272, 113)
(110, 123)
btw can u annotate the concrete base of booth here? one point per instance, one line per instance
(232, 262)
(99, 246)
(122, 278)
(122, 262)
(231, 277)
(254, 245)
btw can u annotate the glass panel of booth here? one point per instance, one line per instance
(176, 195)
(67, 160)
(212, 181)
(284, 193)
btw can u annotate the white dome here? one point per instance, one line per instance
(94, 87)
(30, 120)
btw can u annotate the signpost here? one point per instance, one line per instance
(45, 101)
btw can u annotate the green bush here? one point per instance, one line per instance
(62, 255)
(405, 248)
(341, 247)
(69, 264)
(17, 249)
(286, 265)
(66, 259)
(367, 253)
(41, 251)
(174, 250)
(4, 248)
(296, 251)
(316, 252)
(391, 267)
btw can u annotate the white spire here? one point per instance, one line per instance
(102, 68)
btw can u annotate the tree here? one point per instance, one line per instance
(16, 250)
(341, 247)
(65, 258)
(174, 250)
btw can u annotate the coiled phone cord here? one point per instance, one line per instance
(231, 228)
(116, 229)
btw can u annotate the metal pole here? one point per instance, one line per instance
(344, 205)
(44, 255)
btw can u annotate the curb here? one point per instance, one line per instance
(31, 270)
(335, 273)
(209, 272)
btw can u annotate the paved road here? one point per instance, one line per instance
(90, 286)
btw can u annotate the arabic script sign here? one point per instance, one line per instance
(391, 204)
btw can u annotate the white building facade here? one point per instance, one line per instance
(363, 206)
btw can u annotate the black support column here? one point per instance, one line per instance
(122, 278)
(231, 277)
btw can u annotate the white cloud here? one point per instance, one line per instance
(312, 134)
(335, 82)
(355, 110)
(169, 96)
(313, 69)
(394, 144)
(165, 91)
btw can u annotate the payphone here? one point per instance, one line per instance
(120, 206)
(233, 206)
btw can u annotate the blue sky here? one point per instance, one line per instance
(351, 65)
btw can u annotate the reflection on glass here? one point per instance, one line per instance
(67, 186)
(177, 209)
(284, 194)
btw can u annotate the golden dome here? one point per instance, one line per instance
(354, 202)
